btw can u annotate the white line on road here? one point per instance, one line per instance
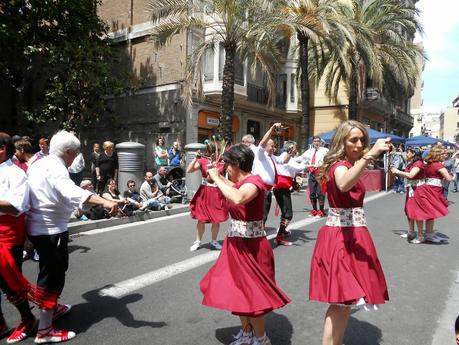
(129, 225)
(126, 287)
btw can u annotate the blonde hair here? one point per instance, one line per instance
(337, 149)
(435, 154)
(108, 144)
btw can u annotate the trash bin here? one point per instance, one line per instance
(193, 180)
(131, 164)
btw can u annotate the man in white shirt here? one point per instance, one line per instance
(76, 169)
(456, 172)
(14, 201)
(264, 162)
(53, 197)
(314, 158)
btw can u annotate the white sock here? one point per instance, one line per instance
(46, 319)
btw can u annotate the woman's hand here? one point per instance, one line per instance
(381, 146)
(212, 172)
(394, 171)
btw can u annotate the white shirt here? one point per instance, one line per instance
(77, 164)
(291, 168)
(53, 197)
(456, 165)
(306, 157)
(14, 187)
(263, 165)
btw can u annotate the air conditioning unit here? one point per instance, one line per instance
(372, 94)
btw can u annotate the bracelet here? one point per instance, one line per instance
(368, 158)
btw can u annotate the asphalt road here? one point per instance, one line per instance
(139, 284)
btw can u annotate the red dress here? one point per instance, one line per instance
(209, 205)
(242, 280)
(430, 201)
(345, 268)
(410, 203)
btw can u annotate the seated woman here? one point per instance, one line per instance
(111, 193)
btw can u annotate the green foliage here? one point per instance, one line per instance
(57, 59)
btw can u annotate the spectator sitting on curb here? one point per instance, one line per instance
(133, 197)
(161, 181)
(151, 194)
(95, 211)
(111, 193)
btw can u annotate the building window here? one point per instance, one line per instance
(292, 87)
(209, 65)
(457, 125)
(281, 91)
(253, 127)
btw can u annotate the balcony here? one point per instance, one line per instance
(374, 101)
(403, 118)
(257, 94)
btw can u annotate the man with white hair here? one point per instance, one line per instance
(53, 197)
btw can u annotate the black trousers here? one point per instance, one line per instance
(284, 200)
(268, 199)
(314, 187)
(16, 252)
(54, 260)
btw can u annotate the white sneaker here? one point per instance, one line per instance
(404, 235)
(243, 338)
(418, 240)
(432, 238)
(215, 245)
(262, 341)
(196, 245)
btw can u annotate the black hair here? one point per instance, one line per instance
(241, 156)
(417, 154)
(23, 145)
(456, 325)
(5, 140)
(129, 182)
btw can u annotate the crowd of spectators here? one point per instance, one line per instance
(102, 177)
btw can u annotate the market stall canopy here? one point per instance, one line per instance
(373, 134)
(421, 140)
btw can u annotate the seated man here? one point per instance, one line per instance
(161, 181)
(150, 194)
(133, 198)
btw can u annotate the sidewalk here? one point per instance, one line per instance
(76, 227)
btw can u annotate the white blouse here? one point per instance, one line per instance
(14, 187)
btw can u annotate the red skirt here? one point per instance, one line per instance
(345, 268)
(410, 204)
(430, 203)
(242, 280)
(209, 205)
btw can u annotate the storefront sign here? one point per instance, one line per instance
(212, 121)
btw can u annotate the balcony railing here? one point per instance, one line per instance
(257, 94)
(403, 118)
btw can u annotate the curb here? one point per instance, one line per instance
(84, 225)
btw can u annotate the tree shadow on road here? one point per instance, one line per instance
(98, 308)
(362, 333)
(278, 329)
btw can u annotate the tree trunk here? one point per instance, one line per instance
(353, 111)
(226, 116)
(304, 84)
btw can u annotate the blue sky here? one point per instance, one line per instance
(441, 42)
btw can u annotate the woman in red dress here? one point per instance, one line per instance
(208, 204)
(242, 280)
(430, 201)
(345, 269)
(414, 173)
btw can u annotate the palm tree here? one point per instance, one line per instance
(248, 29)
(319, 26)
(380, 51)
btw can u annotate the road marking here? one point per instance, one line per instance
(444, 334)
(126, 287)
(129, 225)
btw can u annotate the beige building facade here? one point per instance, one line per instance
(449, 122)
